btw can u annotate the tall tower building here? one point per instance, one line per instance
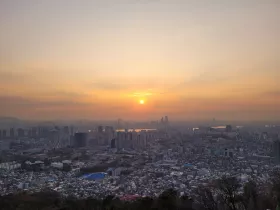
(54, 138)
(20, 132)
(113, 143)
(72, 131)
(134, 136)
(4, 134)
(228, 128)
(65, 136)
(276, 150)
(80, 140)
(12, 132)
(121, 140)
(129, 142)
(100, 129)
(40, 131)
(166, 119)
(29, 133)
(66, 130)
(109, 134)
(143, 139)
(34, 132)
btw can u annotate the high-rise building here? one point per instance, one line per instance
(100, 129)
(113, 143)
(276, 150)
(228, 128)
(122, 140)
(65, 136)
(40, 131)
(72, 131)
(109, 134)
(129, 142)
(166, 119)
(54, 138)
(29, 133)
(20, 132)
(80, 140)
(109, 129)
(143, 139)
(66, 130)
(100, 136)
(134, 137)
(12, 132)
(119, 140)
(34, 132)
(4, 134)
(164, 122)
(45, 131)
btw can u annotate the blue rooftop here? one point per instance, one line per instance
(188, 165)
(94, 176)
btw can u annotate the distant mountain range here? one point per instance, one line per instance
(9, 122)
(7, 119)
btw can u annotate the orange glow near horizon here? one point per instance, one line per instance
(140, 61)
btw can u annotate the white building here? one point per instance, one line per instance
(10, 165)
(57, 165)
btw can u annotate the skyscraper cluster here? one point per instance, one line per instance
(80, 140)
(100, 136)
(132, 139)
(33, 132)
(164, 123)
(57, 137)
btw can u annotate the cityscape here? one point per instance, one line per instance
(130, 163)
(139, 105)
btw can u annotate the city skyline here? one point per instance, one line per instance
(140, 59)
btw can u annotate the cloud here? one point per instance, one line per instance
(12, 100)
(209, 77)
(275, 93)
(18, 102)
(11, 77)
(107, 86)
(64, 95)
(123, 83)
(217, 106)
(144, 94)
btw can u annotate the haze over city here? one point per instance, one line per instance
(140, 104)
(140, 59)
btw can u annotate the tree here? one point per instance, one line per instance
(146, 203)
(275, 189)
(227, 188)
(186, 203)
(168, 200)
(250, 196)
(206, 198)
(111, 203)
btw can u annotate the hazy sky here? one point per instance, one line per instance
(96, 59)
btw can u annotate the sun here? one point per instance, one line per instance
(141, 101)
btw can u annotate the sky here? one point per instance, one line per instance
(96, 59)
